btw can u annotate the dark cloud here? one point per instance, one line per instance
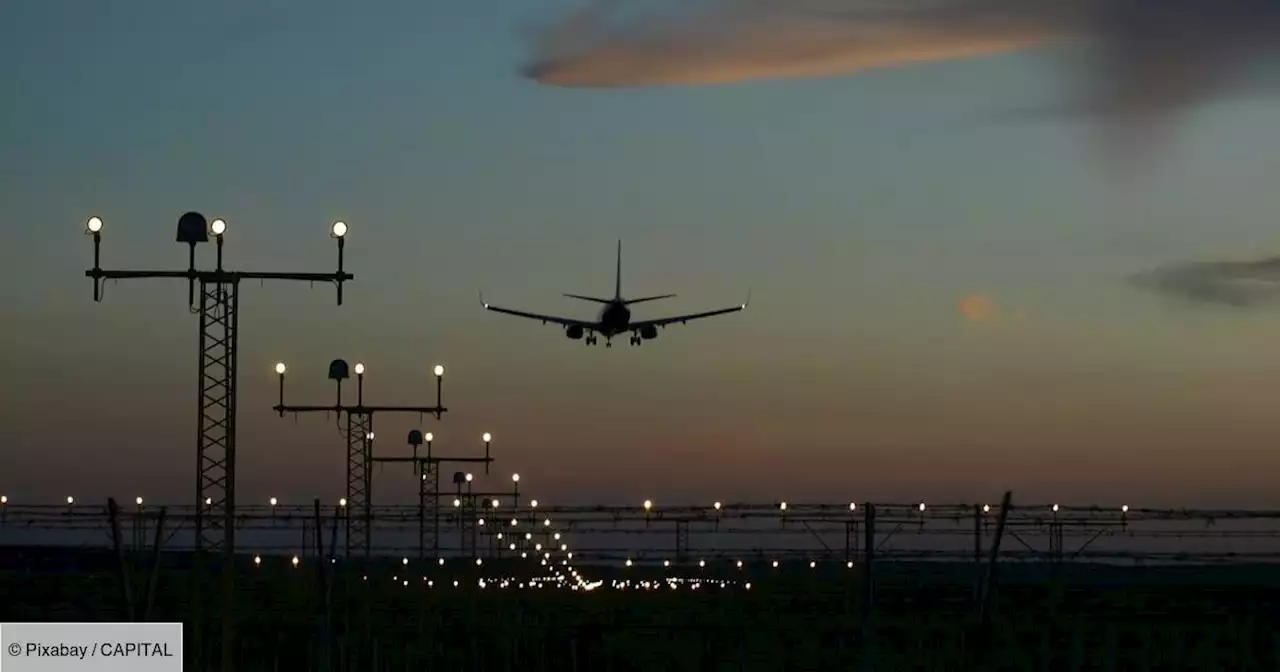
(1148, 57)
(1245, 284)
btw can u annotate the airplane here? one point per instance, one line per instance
(615, 317)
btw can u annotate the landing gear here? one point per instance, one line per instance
(608, 343)
(636, 340)
(590, 340)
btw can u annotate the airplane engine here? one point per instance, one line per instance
(649, 333)
(574, 332)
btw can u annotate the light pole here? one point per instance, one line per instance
(218, 311)
(360, 435)
(428, 470)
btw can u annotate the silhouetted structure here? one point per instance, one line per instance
(216, 399)
(360, 437)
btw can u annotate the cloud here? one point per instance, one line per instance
(1151, 57)
(1244, 284)
(978, 308)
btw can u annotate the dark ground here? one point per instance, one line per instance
(1074, 617)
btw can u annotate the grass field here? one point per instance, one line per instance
(1071, 618)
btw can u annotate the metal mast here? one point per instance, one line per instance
(216, 401)
(359, 437)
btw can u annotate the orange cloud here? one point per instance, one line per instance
(978, 308)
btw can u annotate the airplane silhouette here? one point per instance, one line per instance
(615, 317)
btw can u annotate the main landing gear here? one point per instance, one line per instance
(591, 340)
(636, 340)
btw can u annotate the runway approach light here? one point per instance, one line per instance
(359, 368)
(4, 499)
(138, 501)
(533, 503)
(717, 505)
(1055, 508)
(853, 506)
(94, 225)
(274, 501)
(469, 477)
(342, 502)
(986, 508)
(338, 230)
(515, 478)
(487, 437)
(218, 227)
(922, 506)
(783, 506)
(1124, 509)
(280, 368)
(295, 561)
(429, 437)
(71, 500)
(439, 370)
(648, 505)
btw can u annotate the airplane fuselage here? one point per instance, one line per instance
(614, 318)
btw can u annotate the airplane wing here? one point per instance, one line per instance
(563, 321)
(664, 321)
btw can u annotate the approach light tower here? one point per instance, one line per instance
(219, 334)
(427, 470)
(359, 510)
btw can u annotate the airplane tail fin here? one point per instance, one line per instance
(588, 298)
(647, 298)
(617, 284)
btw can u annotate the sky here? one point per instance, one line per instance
(942, 304)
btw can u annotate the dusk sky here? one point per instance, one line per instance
(859, 210)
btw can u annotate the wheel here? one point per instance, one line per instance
(608, 344)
